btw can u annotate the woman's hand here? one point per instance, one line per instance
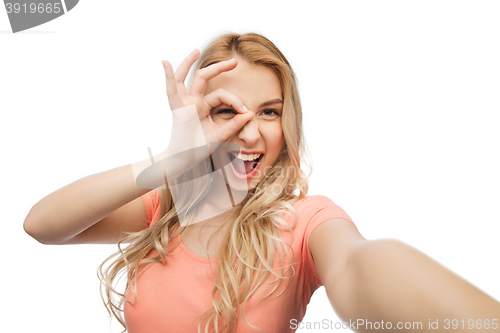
(192, 109)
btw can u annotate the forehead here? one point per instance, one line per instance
(251, 83)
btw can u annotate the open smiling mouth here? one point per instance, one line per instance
(244, 169)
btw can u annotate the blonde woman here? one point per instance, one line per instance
(217, 233)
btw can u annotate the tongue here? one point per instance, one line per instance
(249, 166)
(244, 169)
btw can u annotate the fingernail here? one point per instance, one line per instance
(230, 60)
(245, 108)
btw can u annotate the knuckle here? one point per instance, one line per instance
(206, 104)
(221, 91)
(172, 95)
(199, 74)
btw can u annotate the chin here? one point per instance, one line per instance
(240, 187)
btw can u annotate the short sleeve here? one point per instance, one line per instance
(319, 209)
(153, 206)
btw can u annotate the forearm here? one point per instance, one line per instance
(391, 281)
(75, 207)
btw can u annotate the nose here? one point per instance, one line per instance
(250, 132)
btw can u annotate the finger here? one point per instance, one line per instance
(234, 125)
(173, 96)
(169, 74)
(183, 69)
(221, 96)
(203, 75)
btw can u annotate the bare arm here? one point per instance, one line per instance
(389, 280)
(71, 214)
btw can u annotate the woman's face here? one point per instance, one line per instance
(259, 90)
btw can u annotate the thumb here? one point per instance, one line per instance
(234, 125)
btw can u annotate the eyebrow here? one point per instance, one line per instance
(271, 102)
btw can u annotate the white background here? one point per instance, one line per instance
(401, 114)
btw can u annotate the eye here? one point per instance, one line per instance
(223, 115)
(226, 111)
(270, 112)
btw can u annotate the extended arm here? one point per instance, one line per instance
(389, 280)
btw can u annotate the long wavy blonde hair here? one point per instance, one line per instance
(248, 251)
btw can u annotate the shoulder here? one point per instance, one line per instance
(315, 200)
(330, 236)
(318, 206)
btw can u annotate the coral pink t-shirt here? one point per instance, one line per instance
(171, 297)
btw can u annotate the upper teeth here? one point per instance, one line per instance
(246, 157)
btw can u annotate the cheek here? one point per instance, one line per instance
(273, 134)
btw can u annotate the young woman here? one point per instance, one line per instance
(221, 235)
